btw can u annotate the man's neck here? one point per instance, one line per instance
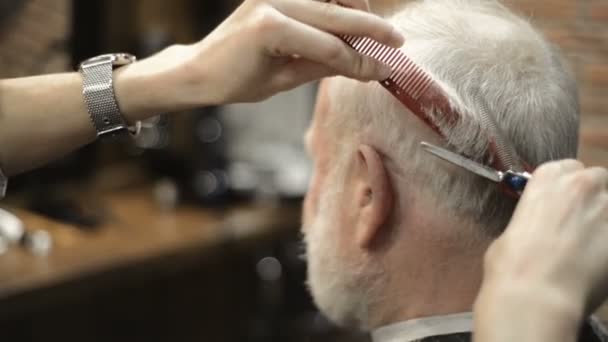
(431, 279)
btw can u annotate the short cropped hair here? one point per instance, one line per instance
(473, 49)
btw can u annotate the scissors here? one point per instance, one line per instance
(514, 180)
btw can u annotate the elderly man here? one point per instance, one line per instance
(395, 237)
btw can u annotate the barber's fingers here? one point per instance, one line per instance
(593, 179)
(557, 168)
(317, 46)
(554, 184)
(341, 20)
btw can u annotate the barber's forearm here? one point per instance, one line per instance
(507, 313)
(41, 117)
(45, 117)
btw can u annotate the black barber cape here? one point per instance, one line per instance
(458, 327)
(592, 331)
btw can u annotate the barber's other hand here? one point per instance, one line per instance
(556, 245)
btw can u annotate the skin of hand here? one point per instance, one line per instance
(549, 269)
(263, 48)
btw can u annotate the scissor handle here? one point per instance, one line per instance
(516, 181)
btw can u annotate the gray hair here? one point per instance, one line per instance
(473, 49)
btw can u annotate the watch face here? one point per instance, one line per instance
(117, 59)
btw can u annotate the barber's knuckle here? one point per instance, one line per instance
(573, 164)
(582, 183)
(377, 25)
(330, 11)
(557, 167)
(269, 21)
(547, 169)
(335, 51)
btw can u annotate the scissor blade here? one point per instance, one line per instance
(463, 162)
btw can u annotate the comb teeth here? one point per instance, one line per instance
(408, 77)
(505, 152)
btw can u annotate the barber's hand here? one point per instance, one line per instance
(264, 47)
(550, 267)
(268, 46)
(556, 245)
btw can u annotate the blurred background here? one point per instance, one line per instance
(193, 232)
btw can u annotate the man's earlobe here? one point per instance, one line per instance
(375, 195)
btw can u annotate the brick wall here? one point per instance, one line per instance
(580, 28)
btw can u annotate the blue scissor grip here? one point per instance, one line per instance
(515, 181)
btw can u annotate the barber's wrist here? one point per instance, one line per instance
(137, 93)
(199, 80)
(167, 82)
(510, 311)
(531, 297)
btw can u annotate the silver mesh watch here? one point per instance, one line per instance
(99, 96)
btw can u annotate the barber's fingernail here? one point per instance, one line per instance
(397, 38)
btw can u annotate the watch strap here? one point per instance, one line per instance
(100, 99)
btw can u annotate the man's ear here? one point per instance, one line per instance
(374, 195)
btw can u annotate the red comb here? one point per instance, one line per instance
(408, 82)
